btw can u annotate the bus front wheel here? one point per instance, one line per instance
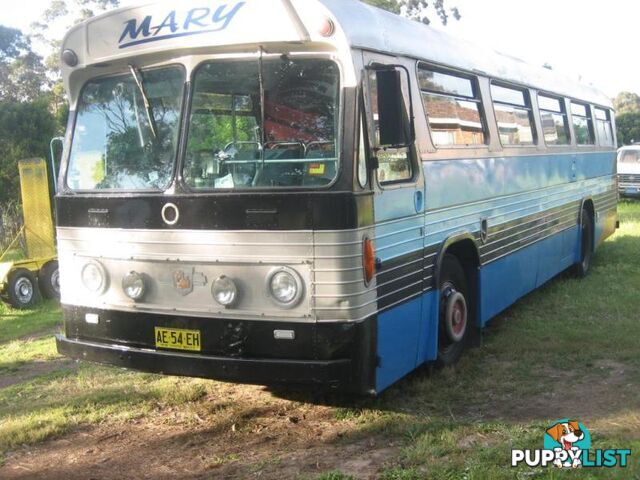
(453, 325)
(581, 269)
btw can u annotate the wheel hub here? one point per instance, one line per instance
(24, 290)
(455, 316)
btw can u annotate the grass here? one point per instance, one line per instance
(570, 349)
(15, 324)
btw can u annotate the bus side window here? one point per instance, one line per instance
(513, 115)
(603, 126)
(452, 104)
(394, 165)
(555, 127)
(582, 123)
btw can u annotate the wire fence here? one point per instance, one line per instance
(10, 223)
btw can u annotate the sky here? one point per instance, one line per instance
(591, 40)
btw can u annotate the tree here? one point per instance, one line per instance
(25, 131)
(627, 102)
(420, 10)
(63, 14)
(628, 127)
(22, 74)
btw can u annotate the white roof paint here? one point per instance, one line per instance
(256, 22)
(372, 28)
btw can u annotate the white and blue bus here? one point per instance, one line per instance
(312, 191)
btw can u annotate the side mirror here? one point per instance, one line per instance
(392, 119)
(52, 151)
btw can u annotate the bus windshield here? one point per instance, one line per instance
(264, 123)
(629, 156)
(126, 131)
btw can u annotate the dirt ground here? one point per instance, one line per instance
(279, 441)
(281, 438)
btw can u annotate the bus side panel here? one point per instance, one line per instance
(428, 340)
(557, 253)
(398, 331)
(506, 280)
(523, 271)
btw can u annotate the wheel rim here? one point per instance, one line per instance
(55, 281)
(23, 290)
(454, 316)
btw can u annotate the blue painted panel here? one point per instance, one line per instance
(558, 253)
(506, 280)
(428, 343)
(398, 334)
(460, 181)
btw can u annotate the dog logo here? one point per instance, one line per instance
(567, 444)
(567, 436)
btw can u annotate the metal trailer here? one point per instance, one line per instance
(29, 265)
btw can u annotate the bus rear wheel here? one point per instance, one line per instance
(22, 289)
(581, 269)
(453, 324)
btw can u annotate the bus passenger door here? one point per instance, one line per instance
(399, 216)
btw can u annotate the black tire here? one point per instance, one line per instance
(49, 280)
(581, 269)
(454, 304)
(22, 289)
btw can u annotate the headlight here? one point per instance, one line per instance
(133, 285)
(285, 287)
(94, 277)
(224, 291)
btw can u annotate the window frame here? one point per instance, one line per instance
(528, 107)
(478, 99)
(608, 121)
(340, 126)
(590, 122)
(563, 111)
(176, 170)
(370, 132)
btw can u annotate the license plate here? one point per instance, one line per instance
(178, 339)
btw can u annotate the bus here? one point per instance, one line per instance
(312, 192)
(629, 170)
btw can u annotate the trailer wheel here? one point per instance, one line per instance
(49, 280)
(453, 328)
(22, 289)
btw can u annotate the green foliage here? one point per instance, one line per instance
(627, 102)
(420, 10)
(336, 475)
(628, 126)
(22, 74)
(25, 132)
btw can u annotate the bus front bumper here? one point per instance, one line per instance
(330, 373)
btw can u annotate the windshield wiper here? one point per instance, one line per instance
(135, 73)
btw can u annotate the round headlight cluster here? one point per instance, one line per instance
(284, 286)
(224, 291)
(134, 286)
(94, 277)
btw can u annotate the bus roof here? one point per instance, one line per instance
(372, 28)
(161, 26)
